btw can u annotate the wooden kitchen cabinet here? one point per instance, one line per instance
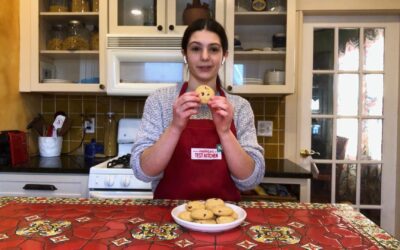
(156, 17)
(44, 185)
(45, 69)
(245, 68)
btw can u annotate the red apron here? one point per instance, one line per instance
(192, 179)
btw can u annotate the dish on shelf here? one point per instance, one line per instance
(209, 228)
(53, 80)
(253, 81)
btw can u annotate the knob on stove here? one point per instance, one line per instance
(109, 181)
(125, 181)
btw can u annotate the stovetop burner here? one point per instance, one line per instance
(123, 161)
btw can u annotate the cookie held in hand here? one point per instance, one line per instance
(205, 93)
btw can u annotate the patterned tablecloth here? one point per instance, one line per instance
(66, 223)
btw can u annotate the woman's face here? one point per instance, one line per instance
(204, 56)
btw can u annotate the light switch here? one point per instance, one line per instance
(264, 128)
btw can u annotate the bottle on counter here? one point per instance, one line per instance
(110, 135)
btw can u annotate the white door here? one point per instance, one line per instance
(349, 95)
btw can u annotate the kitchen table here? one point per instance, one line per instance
(73, 223)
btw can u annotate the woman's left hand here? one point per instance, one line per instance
(222, 113)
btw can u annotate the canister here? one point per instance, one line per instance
(95, 5)
(77, 37)
(56, 37)
(80, 6)
(94, 38)
(279, 41)
(274, 77)
(58, 6)
(259, 5)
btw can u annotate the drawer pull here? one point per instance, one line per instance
(39, 187)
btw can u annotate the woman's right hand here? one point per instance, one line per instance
(184, 106)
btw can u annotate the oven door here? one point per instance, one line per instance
(111, 194)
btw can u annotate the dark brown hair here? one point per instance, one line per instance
(209, 25)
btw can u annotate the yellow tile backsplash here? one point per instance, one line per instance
(80, 107)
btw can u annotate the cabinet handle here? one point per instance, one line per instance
(159, 27)
(101, 86)
(229, 88)
(39, 187)
(171, 27)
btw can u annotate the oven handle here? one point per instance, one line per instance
(42, 187)
(120, 195)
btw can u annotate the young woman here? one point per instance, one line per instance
(190, 150)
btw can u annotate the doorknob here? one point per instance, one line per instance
(305, 153)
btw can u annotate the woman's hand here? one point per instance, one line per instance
(184, 106)
(222, 113)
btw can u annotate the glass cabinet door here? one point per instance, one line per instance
(131, 16)
(185, 11)
(137, 13)
(261, 48)
(159, 16)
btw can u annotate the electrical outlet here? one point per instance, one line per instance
(90, 126)
(264, 128)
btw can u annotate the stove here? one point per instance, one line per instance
(114, 178)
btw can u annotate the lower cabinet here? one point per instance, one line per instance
(44, 185)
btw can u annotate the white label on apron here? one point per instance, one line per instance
(206, 154)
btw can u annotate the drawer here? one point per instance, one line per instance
(43, 185)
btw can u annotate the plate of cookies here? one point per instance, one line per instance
(212, 215)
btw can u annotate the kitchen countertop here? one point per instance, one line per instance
(72, 164)
(76, 164)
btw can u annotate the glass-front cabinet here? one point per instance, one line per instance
(62, 49)
(160, 16)
(261, 47)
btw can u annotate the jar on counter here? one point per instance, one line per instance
(77, 37)
(80, 6)
(94, 38)
(56, 37)
(58, 6)
(110, 135)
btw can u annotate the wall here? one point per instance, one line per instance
(16, 110)
(80, 107)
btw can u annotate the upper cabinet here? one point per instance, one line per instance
(62, 45)
(159, 16)
(73, 46)
(261, 47)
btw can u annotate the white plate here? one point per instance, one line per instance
(55, 81)
(209, 228)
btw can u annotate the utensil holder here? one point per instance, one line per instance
(50, 146)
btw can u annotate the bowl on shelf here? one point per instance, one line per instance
(274, 77)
